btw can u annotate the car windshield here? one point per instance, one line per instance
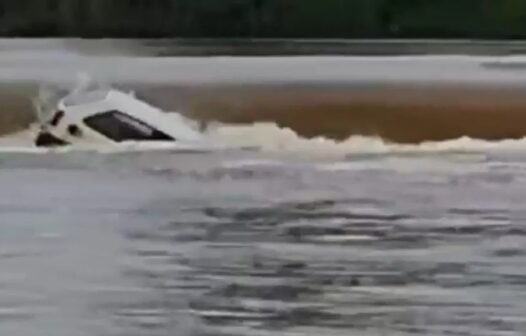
(121, 127)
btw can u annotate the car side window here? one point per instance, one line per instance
(120, 127)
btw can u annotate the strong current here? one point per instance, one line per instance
(315, 227)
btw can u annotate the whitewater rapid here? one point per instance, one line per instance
(259, 237)
(270, 138)
(54, 61)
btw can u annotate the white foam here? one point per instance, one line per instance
(270, 138)
(267, 137)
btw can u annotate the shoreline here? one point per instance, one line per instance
(165, 47)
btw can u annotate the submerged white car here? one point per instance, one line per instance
(109, 116)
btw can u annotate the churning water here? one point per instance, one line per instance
(293, 235)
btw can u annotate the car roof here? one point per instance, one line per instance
(85, 98)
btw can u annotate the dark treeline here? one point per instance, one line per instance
(265, 18)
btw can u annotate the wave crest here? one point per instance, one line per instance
(272, 138)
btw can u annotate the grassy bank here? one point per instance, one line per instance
(265, 18)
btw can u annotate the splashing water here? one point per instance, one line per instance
(263, 136)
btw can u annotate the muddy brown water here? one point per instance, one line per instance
(394, 113)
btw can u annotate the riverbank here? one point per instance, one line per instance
(298, 47)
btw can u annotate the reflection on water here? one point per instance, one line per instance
(127, 245)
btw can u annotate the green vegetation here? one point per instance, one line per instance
(265, 18)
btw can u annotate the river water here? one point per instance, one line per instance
(290, 236)
(245, 243)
